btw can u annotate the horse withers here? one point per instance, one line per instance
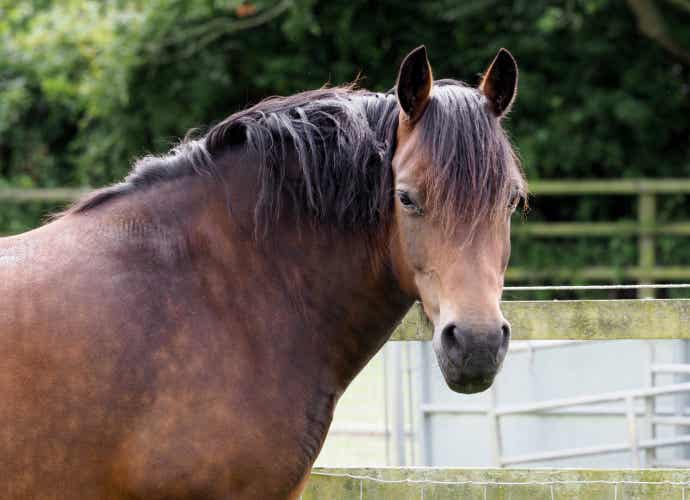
(187, 332)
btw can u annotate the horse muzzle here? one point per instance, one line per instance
(470, 358)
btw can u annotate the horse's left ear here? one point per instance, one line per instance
(414, 83)
(500, 81)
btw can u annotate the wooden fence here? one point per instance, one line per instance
(496, 484)
(582, 320)
(647, 228)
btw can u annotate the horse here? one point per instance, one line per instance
(187, 332)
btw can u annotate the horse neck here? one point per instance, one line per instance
(308, 290)
(350, 301)
(345, 301)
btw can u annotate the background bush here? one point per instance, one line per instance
(86, 86)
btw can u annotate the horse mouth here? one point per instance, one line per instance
(462, 383)
(470, 386)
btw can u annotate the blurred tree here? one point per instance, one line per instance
(652, 23)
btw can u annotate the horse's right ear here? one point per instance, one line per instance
(414, 83)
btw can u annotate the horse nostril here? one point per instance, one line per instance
(448, 338)
(505, 330)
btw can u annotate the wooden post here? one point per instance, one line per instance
(646, 216)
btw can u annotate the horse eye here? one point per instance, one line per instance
(409, 204)
(515, 198)
(405, 199)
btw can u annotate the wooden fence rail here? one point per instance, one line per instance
(565, 187)
(48, 195)
(579, 320)
(496, 484)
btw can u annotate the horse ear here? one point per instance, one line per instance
(499, 83)
(414, 83)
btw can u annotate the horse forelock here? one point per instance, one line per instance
(474, 173)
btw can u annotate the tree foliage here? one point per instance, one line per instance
(86, 86)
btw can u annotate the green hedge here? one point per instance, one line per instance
(86, 86)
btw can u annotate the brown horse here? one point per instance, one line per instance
(187, 332)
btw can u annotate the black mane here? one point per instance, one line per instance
(338, 139)
(342, 141)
